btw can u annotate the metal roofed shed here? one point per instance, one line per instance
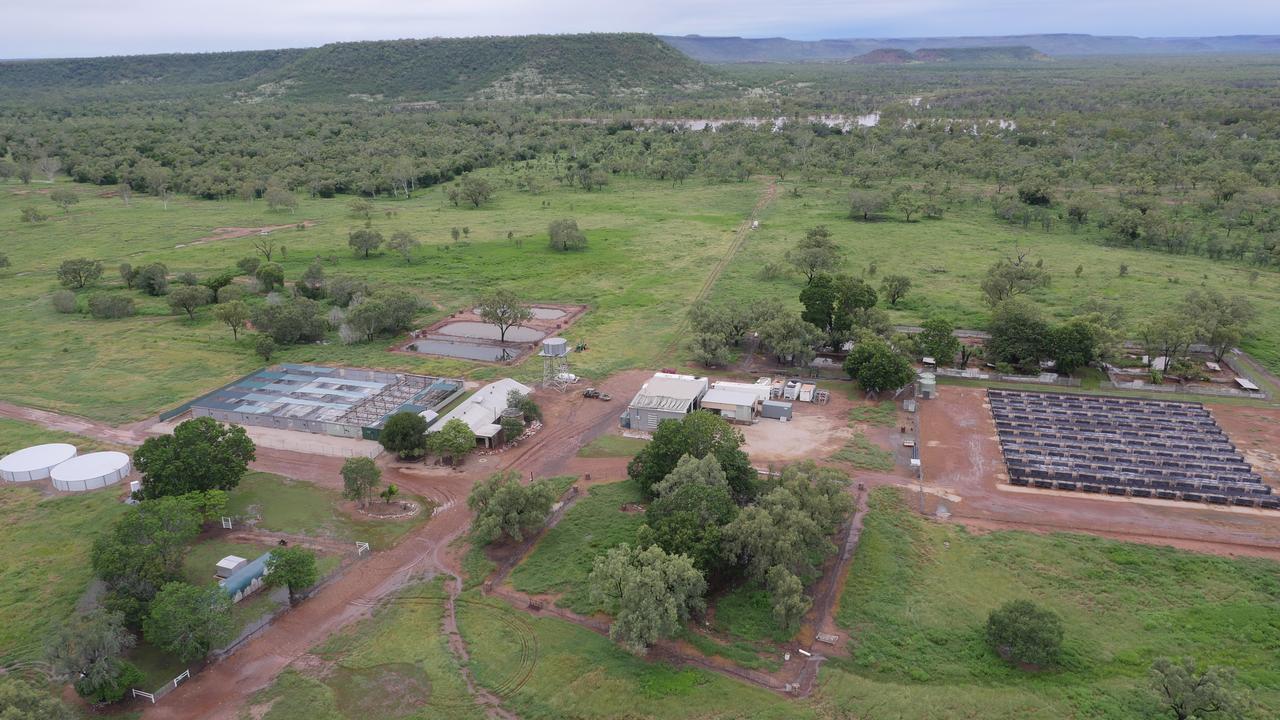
(35, 462)
(92, 471)
(732, 404)
(666, 396)
(228, 565)
(482, 410)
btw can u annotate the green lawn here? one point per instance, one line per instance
(746, 613)
(562, 560)
(650, 250)
(919, 593)
(47, 570)
(394, 666)
(579, 674)
(609, 446)
(301, 508)
(863, 454)
(881, 414)
(946, 259)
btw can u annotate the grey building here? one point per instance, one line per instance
(664, 397)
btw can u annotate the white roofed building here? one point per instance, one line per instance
(482, 411)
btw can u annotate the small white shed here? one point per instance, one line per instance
(228, 565)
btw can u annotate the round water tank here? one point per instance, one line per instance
(513, 413)
(92, 471)
(555, 347)
(34, 463)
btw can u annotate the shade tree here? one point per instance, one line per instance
(507, 510)
(200, 454)
(649, 592)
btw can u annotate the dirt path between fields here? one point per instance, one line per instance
(767, 196)
(231, 233)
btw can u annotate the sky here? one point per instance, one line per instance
(82, 28)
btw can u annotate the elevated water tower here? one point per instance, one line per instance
(555, 363)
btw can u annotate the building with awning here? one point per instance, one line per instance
(666, 396)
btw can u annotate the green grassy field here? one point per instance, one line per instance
(947, 258)
(301, 508)
(918, 595)
(579, 674)
(394, 666)
(650, 248)
(562, 560)
(47, 570)
(607, 446)
(863, 454)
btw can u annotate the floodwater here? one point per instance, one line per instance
(462, 350)
(485, 331)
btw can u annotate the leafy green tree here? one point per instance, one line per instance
(565, 235)
(311, 283)
(265, 347)
(1073, 345)
(506, 510)
(32, 214)
(290, 322)
(389, 493)
(475, 190)
(201, 454)
(525, 403)
(504, 310)
(79, 273)
(790, 339)
(787, 593)
(866, 204)
(360, 476)
(404, 243)
(878, 367)
(248, 265)
(1221, 321)
(64, 301)
(688, 515)
(110, 307)
(144, 550)
(790, 524)
(1022, 632)
(1168, 335)
(64, 197)
(233, 314)
(698, 434)
(294, 568)
(405, 434)
(650, 593)
(189, 298)
(364, 241)
(1019, 335)
(453, 441)
(153, 279)
(280, 199)
(361, 208)
(816, 254)
(1010, 277)
(895, 287)
(938, 341)
(269, 276)
(86, 650)
(20, 701)
(189, 621)
(218, 282)
(1187, 693)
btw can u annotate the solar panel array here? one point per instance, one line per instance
(1124, 447)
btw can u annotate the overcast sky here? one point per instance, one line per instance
(74, 28)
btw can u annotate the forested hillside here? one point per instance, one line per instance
(737, 49)
(523, 67)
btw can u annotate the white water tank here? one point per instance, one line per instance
(928, 385)
(555, 347)
(34, 463)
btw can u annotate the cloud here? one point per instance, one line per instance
(54, 28)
